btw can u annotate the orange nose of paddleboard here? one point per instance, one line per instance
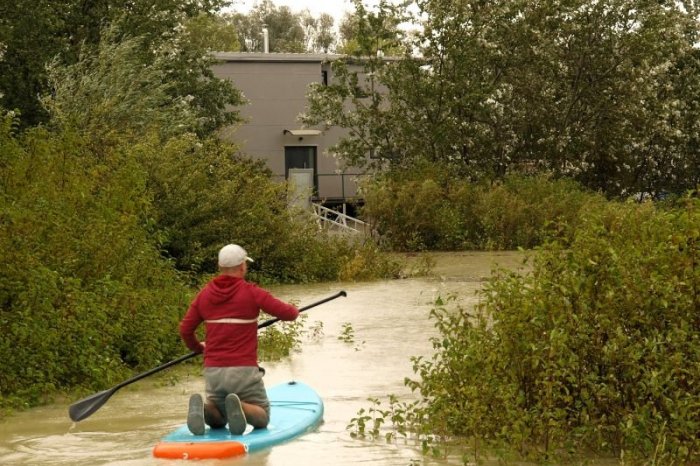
(198, 450)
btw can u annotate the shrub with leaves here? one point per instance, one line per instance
(84, 292)
(595, 349)
(430, 209)
(207, 195)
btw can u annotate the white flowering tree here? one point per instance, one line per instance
(604, 92)
(357, 97)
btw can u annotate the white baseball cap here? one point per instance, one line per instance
(232, 255)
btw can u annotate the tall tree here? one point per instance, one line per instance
(288, 31)
(284, 28)
(25, 48)
(365, 32)
(358, 98)
(604, 92)
(318, 32)
(111, 90)
(62, 31)
(213, 32)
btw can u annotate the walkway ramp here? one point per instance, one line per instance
(339, 221)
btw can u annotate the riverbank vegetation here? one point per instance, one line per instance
(592, 353)
(428, 209)
(103, 243)
(540, 125)
(116, 194)
(498, 125)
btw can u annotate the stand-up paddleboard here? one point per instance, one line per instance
(294, 409)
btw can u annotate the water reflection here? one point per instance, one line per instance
(390, 323)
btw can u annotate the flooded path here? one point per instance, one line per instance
(389, 322)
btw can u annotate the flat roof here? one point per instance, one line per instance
(276, 57)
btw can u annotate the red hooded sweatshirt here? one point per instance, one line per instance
(230, 307)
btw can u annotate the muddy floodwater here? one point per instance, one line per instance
(389, 323)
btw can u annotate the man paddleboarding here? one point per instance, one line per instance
(229, 306)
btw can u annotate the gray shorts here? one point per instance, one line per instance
(246, 382)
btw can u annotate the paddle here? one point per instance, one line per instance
(85, 407)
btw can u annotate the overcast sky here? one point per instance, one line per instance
(335, 8)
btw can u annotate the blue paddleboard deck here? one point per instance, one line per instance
(294, 409)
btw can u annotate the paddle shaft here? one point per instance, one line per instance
(85, 407)
(184, 358)
(269, 322)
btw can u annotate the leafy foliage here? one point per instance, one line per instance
(595, 349)
(212, 32)
(84, 292)
(356, 98)
(24, 51)
(318, 32)
(281, 339)
(601, 92)
(69, 31)
(288, 30)
(111, 92)
(369, 33)
(429, 209)
(285, 31)
(207, 195)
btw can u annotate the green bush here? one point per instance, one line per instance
(595, 349)
(85, 295)
(429, 209)
(519, 211)
(410, 213)
(207, 195)
(91, 237)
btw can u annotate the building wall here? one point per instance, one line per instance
(275, 86)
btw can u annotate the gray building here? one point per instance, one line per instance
(275, 86)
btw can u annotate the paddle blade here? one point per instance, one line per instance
(85, 407)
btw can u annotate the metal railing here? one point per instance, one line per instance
(330, 218)
(338, 185)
